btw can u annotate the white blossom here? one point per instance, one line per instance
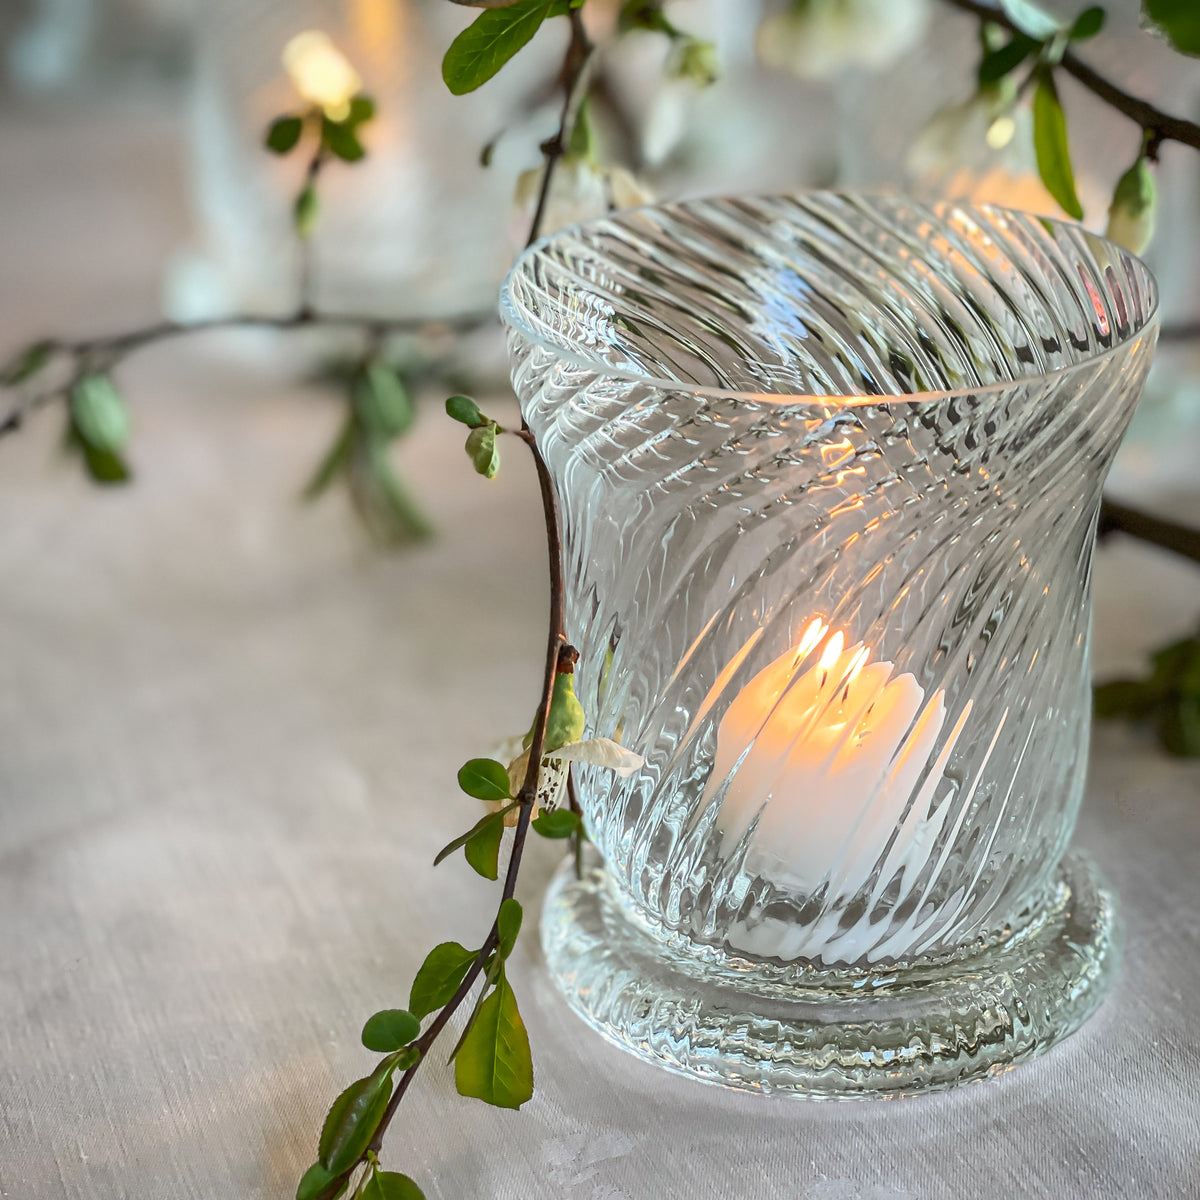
(321, 73)
(552, 779)
(818, 39)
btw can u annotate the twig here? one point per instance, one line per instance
(110, 348)
(559, 655)
(1160, 125)
(305, 287)
(1170, 535)
(576, 70)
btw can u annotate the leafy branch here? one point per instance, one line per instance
(492, 1058)
(1159, 125)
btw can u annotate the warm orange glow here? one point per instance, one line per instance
(832, 651)
(321, 73)
(812, 635)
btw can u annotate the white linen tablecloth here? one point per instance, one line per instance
(228, 739)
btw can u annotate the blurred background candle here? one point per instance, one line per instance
(826, 759)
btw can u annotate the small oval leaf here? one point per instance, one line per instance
(482, 849)
(508, 925)
(485, 779)
(391, 1185)
(439, 977)
(320, 1184)
(283, 134)
(390, 1030)
(483, 451)
(464, 409)
(560, 823)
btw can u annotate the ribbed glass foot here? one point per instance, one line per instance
(890, 1032)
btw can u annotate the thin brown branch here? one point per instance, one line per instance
(108, 349)
(1160, 125)
(559, 656)
(1158, 531)
(575, 73)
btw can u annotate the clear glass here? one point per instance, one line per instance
(829, 468)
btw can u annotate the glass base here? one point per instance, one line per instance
(891, 1032)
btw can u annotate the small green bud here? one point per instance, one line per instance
(306, 211)
(695, 60)
(483, 451)
(1131, 214)
(98, 413)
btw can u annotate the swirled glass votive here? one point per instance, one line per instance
(829, 468)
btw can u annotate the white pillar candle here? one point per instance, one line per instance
(826, 760)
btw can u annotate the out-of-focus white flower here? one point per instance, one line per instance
(579, 189)
(321, 73)
(818, 39)
(577, 192)
(552, 779)
(626, 190)
(1131, 215)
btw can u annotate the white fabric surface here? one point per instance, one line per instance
(228, 738)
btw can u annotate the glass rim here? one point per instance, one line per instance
(513, 318)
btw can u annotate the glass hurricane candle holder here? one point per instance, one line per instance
(829, 469)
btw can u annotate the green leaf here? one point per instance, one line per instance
(391, 1185)
(1050, 142)
(1030, 19)
(362, 109)
(1087, 24)
(104, 466)
(559, 823)
(283, 134)
(320, 1184)
(1179, 727)
(341, 140)
(1124, 698)
(508, 925)
(489, 42)
(477, 828)
(384, 503)
(99, 413)
(464, 409)
(485, 779)
(645, 14)
(438, 978)
(354, 1118)
(306, 210)
(494, 1064)
(1178, 19)
(390, 1030)
(481, 445)
(382, 400)
(482, 849)
(335, 460)
(26, 363)
(998, 63)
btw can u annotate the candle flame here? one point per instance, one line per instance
(321, 73)
(812, 635)
(832, 651)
